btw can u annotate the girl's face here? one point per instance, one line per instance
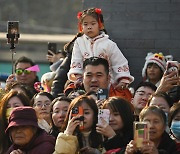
(88, 117)
(59, 113)
(161, 103)
(153, 72)
(90, 26)
(14, 102)
(115, 120)
(156, 126)
(42, 107)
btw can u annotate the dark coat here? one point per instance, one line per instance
(61, 76)
(166, 146)
(117, 142)
(42, 143)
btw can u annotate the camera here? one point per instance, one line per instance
(102, 94)
(103, 114)
(78, 111)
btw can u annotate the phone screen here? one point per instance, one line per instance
(13, 31)
(52, 47)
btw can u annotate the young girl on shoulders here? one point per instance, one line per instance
(92, 41)
(76, 138)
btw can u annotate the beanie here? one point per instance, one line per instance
(156, 58)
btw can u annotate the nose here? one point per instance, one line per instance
(145, 97)
(151, 125)
(61, 114)
(94, 79)
(89, 27)
(111, 117)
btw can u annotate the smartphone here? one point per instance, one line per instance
(52, 47)
(172, 66)
(103, 114)
(102, 94)
(79, 111)
(13, 32)
(141, 132)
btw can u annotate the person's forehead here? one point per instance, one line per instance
(145, 89)
(94, 69)
(23, 65)
(89, 19)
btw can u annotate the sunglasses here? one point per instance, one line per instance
(21, 71)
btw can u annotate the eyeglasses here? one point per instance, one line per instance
(21, 71)
(39, 105)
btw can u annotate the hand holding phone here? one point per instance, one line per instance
(102, 94)
(52, 47)
(103, 114)
(141, 133)
(172, 66)
(79, 111)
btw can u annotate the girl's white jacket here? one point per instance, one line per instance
(100, 46)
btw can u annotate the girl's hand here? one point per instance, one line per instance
(18, 151)
(78, 82)
(149, 147)
(131, 147)
(100, 103)
(72, 124)
(105, 129)
(121, 85)
(88, 150)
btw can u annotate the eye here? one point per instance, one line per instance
(56, 111)
(86, 112)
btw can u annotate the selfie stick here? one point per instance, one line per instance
(12, 48)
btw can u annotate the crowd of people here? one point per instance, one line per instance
(60, 113)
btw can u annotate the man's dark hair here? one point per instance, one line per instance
(145, 84)
(24, 60)
(95, 61)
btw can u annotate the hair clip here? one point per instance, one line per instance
(98, 11)
(79, 15)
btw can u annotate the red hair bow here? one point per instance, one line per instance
(98, 11)
(79, 15)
